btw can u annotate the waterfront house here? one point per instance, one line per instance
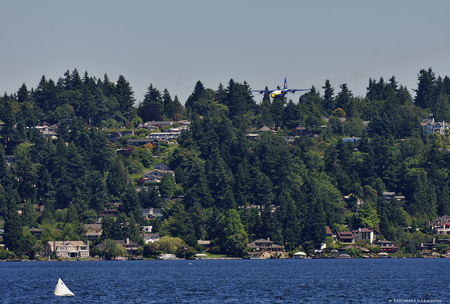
(67, 249)
(265, 245)
(386, 246)
(150, 237)
(205, 243)
(345, 237)
(365, 234)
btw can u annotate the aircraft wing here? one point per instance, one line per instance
(262, 91)
(297, 90)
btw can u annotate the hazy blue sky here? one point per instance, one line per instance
(173, 44)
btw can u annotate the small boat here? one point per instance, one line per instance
(62, 290)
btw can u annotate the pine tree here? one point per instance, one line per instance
(235, 235)
(124, 94)
(28, 215)
(13, 228)
(328, 99)
(167, 186)
(425, 89)
(441, 108)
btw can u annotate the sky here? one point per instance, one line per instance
(173, 44)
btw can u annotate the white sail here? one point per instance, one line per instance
(61, 289)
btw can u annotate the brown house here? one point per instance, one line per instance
(265, 245)
(346, 237)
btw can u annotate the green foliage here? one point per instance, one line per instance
(235, 235)
(441, 248)
(167, 244)
(112, 250)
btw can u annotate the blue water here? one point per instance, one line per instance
(229, 281)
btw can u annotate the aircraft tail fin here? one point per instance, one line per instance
(285, 83)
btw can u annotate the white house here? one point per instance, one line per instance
(67, 249)
(365, 234)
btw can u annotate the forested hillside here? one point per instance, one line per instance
(286, 192)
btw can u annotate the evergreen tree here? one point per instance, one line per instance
(441, 108)
(425, 89)
(343, 97)
(167, 186)
(13, 228)
(117, 177)
(124, 94)
(328, 99)
(28, 215)
(235, 235)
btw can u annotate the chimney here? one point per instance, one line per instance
(359, 229)
(434, 241)
(268, 239)
(127, 241)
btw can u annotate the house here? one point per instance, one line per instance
(94, 231)
(111, 209)
(67, 249)
(388, 196)
(300, 131)
(205, 243)
(386, 246)
(159, 123)
(441, 225)
(428, 246)
(147, 127)
(150, 237)
(345, 237)
(152, 213)
(36, 232)
(163, 136)
(265, 245)
(252, 136)
(351, 139)
(365, 234)
(431, 126)
(290, 139)
(265, 129)
(130, 246)
(156, 175)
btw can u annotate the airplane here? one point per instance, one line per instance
(279, 92)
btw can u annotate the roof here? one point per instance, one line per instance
(264, 129)
(363, 230)
(95, 226)
(263, 241)
(329, 231)
(203, 242)
(345, 235)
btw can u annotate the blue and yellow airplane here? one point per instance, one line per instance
(279, 92)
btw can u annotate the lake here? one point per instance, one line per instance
(229, 281)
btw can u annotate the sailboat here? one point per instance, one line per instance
(61, 289)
